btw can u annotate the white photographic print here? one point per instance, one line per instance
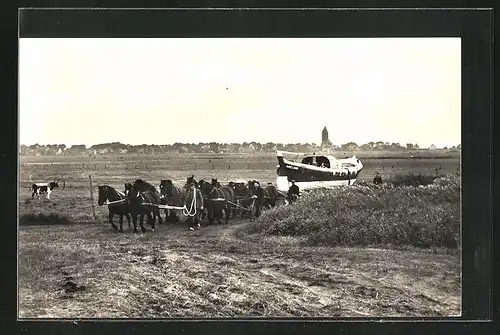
(239, 177)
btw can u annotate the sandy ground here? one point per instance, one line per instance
(89, 271)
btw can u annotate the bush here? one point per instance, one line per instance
(413, 179)
(425, 216)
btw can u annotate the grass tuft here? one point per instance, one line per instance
(40, 219)
(386, 215)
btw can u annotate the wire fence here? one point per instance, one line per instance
(180, 166)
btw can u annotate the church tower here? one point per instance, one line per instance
(325, 141)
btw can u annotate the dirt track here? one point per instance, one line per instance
(212, 272)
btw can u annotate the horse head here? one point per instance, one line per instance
(133, 195)
(102, 195)
(190, 181)
(143, 186)
(166, 186)
(128, 187)
(214, 182)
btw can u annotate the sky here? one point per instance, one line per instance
(191, 90)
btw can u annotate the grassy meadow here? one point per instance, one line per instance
(358, 251)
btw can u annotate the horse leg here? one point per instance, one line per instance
(228, 211)
(218, 215)
(157, 211)
(121, 222)
(153, 222)
(110, 216)
(210, 216)
(127, 215)
(134, 219)
(142, 222)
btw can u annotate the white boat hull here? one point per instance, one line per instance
(283, 184)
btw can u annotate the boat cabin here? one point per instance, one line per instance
(320, 161)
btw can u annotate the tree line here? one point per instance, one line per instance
(211, 147)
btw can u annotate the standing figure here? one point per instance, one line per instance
(293, 192)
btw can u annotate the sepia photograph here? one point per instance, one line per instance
(239, 177)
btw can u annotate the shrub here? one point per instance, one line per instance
(426, 216)
(411, 179)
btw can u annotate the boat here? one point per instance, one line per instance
(316, 171)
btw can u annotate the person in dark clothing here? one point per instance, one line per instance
(259, 192)
(293, 192)
(378, 179)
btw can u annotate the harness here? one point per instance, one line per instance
(213, 190)
(121, 194)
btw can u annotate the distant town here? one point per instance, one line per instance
(213, 147)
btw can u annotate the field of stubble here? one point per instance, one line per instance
(75, 267)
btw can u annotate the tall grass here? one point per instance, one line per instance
(371, 215)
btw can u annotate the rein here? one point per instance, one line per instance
(206, 195)
(213, 190)
(192, 210)
(120, 194)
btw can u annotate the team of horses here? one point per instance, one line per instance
(196, 199)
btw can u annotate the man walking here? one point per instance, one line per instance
(293, 192)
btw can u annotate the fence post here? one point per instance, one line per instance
(92, 197)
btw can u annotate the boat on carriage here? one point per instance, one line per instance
(316, 171)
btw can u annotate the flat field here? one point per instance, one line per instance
(214, 271)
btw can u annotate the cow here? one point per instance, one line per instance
(43, 188)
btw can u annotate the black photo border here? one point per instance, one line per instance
(474, 26)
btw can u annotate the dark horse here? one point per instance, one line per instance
(216, 200)
(243, 196)
(193, 203)
(143, 203)
(263, 197)
(228, 194)
(171, 195)
(117, 204)
(144, 186)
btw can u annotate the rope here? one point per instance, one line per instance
(192, 210)
(247, 209)
(115, 202)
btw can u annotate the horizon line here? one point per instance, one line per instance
(229, 143)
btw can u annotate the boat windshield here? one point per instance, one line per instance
(307, 160)
(319, 161)
(323, 161)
